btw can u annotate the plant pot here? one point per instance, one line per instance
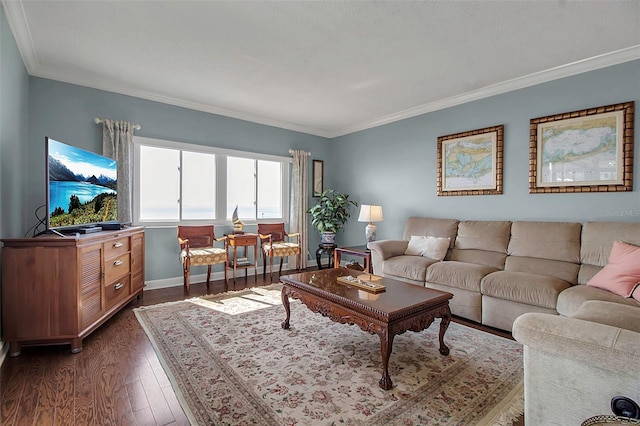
(328, 238)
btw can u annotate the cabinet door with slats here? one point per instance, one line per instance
(137, 262)
(91, 268)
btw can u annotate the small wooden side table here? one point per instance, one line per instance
(327, 249)
(359, 251)
(243, 240)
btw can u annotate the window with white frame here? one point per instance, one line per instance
(177, 182)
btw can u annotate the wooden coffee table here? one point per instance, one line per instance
(400, 308)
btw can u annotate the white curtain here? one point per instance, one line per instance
(117, 143)
(300, 200)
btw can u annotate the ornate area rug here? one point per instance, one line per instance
(231, 363)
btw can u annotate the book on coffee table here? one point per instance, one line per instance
(366, 282)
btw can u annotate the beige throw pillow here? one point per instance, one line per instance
(428, 246)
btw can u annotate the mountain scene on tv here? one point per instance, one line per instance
(82, 186)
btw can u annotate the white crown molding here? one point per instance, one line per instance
(20, 28)
(156, 97)
(253, 118)
(590, 64)
(14, 12)
(578, 67)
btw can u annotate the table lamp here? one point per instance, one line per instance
(370, 214)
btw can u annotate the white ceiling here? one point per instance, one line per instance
(321, 67)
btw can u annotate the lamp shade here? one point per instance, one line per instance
(370, 213)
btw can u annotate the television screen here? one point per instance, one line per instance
(81, 187)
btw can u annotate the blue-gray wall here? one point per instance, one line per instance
(66, 112)
(395, 165)
(392, 165)
(13, 130)
(14, 88)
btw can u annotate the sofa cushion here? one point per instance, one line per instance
(572, 298)
(482, 242)
(430, 226)
(587, 272)
(428, 246)
(563, 270)
(483, 235)
(458, 274)
(546, 240)
(411, 267)
(622, 274)
(610, 313)
(598, 238)
(523, 287)
(481, 257)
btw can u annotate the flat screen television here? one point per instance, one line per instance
(81, 188)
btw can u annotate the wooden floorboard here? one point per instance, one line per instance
(117, 379)
(64, 385)
(11, 391)
(30, 396)
(144, 417)
(84, 390)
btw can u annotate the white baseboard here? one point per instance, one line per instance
(200, 278)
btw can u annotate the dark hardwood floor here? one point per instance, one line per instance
(117, 379)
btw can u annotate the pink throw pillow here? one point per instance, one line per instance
(622, 274)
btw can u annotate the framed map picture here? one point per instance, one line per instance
(470, 163)
(582, 151)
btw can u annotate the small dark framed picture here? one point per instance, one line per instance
(318, 171)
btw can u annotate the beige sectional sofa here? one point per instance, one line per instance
(581, 343)
(499, 270)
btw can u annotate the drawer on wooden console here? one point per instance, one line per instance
(116, 267)
(115, 247)
(117, 290)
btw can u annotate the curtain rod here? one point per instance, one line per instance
(101, 120)
(308, 153)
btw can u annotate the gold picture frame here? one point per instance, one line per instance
(318, 177)
(470, 163)
(590, 150)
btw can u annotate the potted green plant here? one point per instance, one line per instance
(330, 214)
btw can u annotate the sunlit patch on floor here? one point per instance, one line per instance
(241, 303)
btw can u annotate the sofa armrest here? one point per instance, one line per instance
(388, 248)
(384, 249)
(606, 347)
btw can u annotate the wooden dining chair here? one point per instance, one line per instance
(196, 249)
(275, 242)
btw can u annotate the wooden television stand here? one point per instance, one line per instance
(59, 289)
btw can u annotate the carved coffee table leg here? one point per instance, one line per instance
(287, 308)
(444, 324)
(386, 345)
